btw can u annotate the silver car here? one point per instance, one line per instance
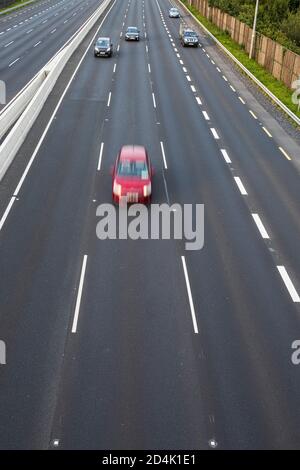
(132, 34)
(174, 13)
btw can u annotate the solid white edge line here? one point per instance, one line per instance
(100, 156)
(164, 155)
(188, 287)
(226, 156)
(260, 226)
(288, 283)
(9, 206)
(240, 185)
(79, 294)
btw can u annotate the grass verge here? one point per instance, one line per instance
(278, 88)
(18, 3)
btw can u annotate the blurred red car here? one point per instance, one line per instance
(132, 175)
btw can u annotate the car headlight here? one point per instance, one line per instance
(96, 49)
(108, 49)
(147, 189)
(117, 189)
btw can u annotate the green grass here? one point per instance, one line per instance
(277, 87)
(17, 3)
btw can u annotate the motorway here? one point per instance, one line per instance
(30, 36)
(123, 344)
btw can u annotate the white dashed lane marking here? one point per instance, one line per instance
(240, 186)
(288, 283)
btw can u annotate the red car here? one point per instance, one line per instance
(132, 175)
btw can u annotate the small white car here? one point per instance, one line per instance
(174, 13)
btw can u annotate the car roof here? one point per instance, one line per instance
(132, 27)
(103, 39)
(133, 152)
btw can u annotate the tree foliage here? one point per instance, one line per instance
(278, 19)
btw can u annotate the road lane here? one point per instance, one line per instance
(256, 158)
(135, 374)
(134, 335)
(230, 241)
(40, 257)
(25, 36)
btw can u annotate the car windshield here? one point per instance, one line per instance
(132, 30)
(133, 168)
(190, 34)
(103, 43)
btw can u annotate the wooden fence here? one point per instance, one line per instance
(282, 63)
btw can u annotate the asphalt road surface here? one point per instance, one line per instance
(123, 344)
(30, 36)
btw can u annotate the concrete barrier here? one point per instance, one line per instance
(48, 77)
(10, 113)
